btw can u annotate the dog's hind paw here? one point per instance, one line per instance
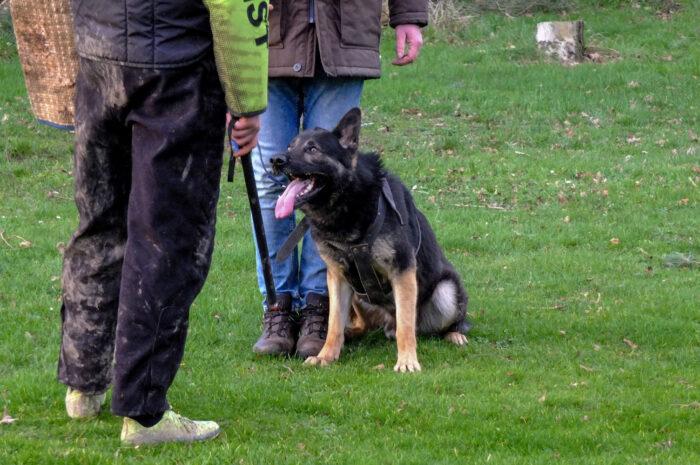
(457, 339)
(317, 361)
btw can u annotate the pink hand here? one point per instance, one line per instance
(407, 34)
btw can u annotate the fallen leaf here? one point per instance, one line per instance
(24, 244)
(379, 367)
(633, 84)
(585, 368)
(411, 111)
(542, 398)
(683, 201)
(631, 344)
(614, 241)
(665, 444)
(6, 418)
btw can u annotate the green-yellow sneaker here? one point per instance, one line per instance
(171, 428)
(81, 405)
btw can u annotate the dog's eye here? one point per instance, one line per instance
(312, 149)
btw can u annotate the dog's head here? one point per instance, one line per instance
(317, 162)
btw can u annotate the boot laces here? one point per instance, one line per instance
(189, 425)
(314, 320)
(277, 322)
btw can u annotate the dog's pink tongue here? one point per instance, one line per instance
(285, 204)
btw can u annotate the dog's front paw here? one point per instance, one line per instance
(319, 361)
(456, 338)
(407, 364)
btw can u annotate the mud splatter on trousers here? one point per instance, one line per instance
(148, 155)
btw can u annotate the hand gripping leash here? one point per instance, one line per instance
(256, 214)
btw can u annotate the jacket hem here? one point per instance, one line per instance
(132, 64)
(337, 71)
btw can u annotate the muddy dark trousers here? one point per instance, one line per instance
(148, 157)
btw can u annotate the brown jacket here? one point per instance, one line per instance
(348, 32)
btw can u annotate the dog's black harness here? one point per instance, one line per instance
(362, 276)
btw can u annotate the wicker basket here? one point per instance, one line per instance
(44, 32)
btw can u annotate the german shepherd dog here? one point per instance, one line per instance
(385, 268)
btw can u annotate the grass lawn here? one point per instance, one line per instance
(556, 191)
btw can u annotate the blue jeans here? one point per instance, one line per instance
(318, 102)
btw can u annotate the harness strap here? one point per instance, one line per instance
(369, 280)
(291, 242)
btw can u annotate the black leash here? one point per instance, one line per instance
(256, 214)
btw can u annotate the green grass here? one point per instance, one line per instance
(527, 171)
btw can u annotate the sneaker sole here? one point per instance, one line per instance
(211, 435)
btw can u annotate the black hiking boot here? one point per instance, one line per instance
(314, 326)
(279, 329)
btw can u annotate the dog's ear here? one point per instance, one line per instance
(348, 129)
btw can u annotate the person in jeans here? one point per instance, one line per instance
(150, 116)
(320, 53)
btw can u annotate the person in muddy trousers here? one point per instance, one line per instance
(154, 84)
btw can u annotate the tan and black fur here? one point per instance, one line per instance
(427, 295)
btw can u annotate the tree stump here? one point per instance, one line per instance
(562, 40)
